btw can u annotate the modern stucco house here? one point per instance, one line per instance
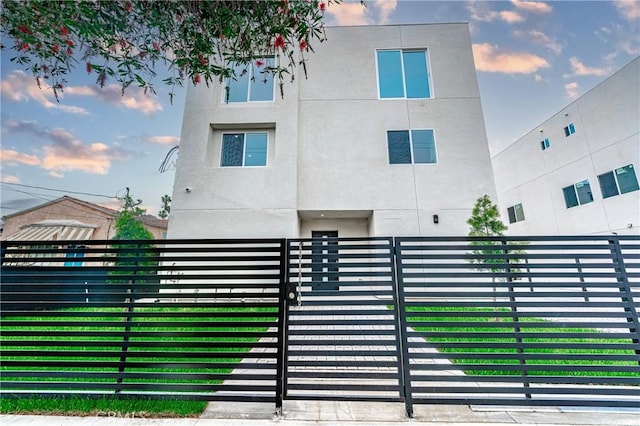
(581, 170)
(385, 137)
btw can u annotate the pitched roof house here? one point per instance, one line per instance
(69, 218)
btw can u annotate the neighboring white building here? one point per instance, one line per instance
(577, 172)
(385, 138)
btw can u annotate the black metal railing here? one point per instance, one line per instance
(424, 320)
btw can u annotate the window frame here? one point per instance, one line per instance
(616, 181)
(244, 133)
(569, 129)
(404, 75)
(411, 147)
(250, 79)
(577, 194)
(513, 212)
(545, 144)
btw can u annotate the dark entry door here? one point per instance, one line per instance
(324, 260)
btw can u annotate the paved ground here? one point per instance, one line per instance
(307, 413)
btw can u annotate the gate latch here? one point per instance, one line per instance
(292, 293)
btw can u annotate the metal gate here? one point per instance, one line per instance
(342, 330)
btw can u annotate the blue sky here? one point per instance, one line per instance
(532, 58)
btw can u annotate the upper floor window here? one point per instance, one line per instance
(403, 74)
(516, 213)
(569, 130)
(618, 181)
(244, 149)
(252, 83)
(578, 194)
(545, 144)
(74, 253)
(411, 146)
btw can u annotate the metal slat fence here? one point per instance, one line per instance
(515, 321)
(510, 321)
(197, 319)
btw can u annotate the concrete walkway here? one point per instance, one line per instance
(307, 413)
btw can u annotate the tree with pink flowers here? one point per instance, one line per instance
(130, 41)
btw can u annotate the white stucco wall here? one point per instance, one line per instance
(327, 161)
(607, 121)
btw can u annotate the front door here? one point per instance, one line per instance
(324, 260)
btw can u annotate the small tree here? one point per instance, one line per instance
(166, 207)
(485, 222)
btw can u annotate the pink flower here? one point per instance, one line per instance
(303, 44)
(56, 48)
(203, 60)
(64, 31)
(69, 43)
(89, 67)
(24, 46)
(279, 42)
(322, 6)
(24, 29)
(259, 63)
(156, 46)
(196, 79)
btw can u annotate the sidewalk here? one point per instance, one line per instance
(307, 413)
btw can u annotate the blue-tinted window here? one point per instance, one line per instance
(515, 213)
(403, 74)
(73, 256)
(608, 185)
(569, 130)
(627, 180)
(244, 149)
(578, 194)
(545, 144)
(251, 82)
(415, 146)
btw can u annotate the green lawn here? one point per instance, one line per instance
(163, 346)
(488, 340)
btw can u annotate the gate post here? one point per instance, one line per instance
(405, 374)
(282, 313)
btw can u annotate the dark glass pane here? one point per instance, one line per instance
(608, 185)
(390, 79)
(566, 131)
(424, 146)
(627, 179)
(512, 214)
(232, 148)
(570, 198)
(399, 148)
(415, 74)
(584, 192)
(256, 151)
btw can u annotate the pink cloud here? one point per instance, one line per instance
(162, 140)
(581, 69)
(349, 13)
(628, 9)
(533, 6)
(10, 156)
(510, 17)
(10, 179)
(489, 59)
(572, 90)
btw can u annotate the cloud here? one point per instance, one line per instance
(385, 9)
(9, 179)
(9, 156)
(479, 11)
(539, 37)
(533, 6)
(65, 152)
(572, 90)
(580, 69)
(628, 9)
(489, 59)
(349, 14)
(20, 87)
(162, 140)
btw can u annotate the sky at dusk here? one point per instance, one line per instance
(532, 59)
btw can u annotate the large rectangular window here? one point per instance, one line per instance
(618, 181)
(516, 213)
(411, 146)
(577, 194)
(251, 83)
(244, 149)
(403, 74)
